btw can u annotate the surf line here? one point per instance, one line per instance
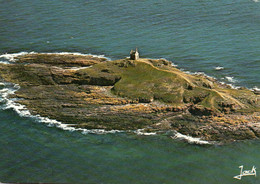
(10, 103)
(245, 172)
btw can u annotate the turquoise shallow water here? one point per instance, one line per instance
(195, 35)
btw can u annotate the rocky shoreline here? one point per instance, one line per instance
(94, 93)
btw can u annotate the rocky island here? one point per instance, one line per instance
(131, 94)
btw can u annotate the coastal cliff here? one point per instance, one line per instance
(148, 94)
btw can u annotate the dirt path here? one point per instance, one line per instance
(170, 71)
(221, 94)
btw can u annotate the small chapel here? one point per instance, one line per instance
(134, 55)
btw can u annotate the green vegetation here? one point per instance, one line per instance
(147, 80)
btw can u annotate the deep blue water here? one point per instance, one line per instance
(195, 35)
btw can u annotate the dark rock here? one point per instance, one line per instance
(199, 110)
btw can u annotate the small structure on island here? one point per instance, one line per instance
(134, 55)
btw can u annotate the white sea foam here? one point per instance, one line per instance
(231, 85)
(24, 112)
(193, 73)
(5, 62)
(256, 1)
(256, 89)
(219, 68)
(231, 79)
(78, 54)
(198, 73)
(174, 65)
(11, 57)
(142, 132)
(189, 139)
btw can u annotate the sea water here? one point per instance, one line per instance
(218, 38)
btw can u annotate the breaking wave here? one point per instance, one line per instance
(255, 89)
(198, 73)
(10, 103)
(189, 139)
(174, 65)
(219, 68)
(231, 79)
(142, 132)
(230, 85)
(9, 89)
(5, 62)
(11, 57)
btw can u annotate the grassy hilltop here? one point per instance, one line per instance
(147, 80)
(91, 92)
